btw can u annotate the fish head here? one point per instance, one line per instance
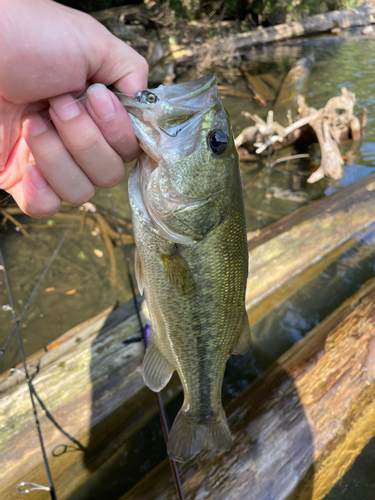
(186, 134)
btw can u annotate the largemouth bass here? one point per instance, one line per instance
(191, 260)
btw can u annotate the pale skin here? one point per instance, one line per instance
(53, 147)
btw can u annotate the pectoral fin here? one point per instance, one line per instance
(244, 340)
(138, 272)
(178, 273)
(156, 370)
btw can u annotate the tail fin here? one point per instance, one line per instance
(188, 438)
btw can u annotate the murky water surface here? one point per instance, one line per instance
(83, 266)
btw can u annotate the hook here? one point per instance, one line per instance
(34, 486)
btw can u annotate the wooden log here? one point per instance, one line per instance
(289, 246)
(293, 85)
(262, 92)
(348, 18)
(91, 384)
(297, 430)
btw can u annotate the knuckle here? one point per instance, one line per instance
(82, 196)
(51, 154)
(113, 179)
(84, 142)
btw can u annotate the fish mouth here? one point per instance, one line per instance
(182, 99)
(171, 112)
(172, 134)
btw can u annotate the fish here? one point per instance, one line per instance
(191, 264)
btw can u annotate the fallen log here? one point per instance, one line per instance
(348, 18)
(289, 246)
(298, 429)
(262, 92)
(91, 384)
(292, 86)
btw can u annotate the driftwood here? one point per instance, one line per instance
(297, 430)
(326, 126)
(348, 18)
(91, 384)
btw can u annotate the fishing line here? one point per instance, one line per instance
(145, 331)
(6, 198)
(81, 99)
(36, 288)
(51, 487)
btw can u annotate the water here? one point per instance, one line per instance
(269, 195)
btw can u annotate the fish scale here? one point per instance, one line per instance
(185, 194)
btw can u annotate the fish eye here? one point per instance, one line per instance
(217, 141)
(151, 98)
(144, 96)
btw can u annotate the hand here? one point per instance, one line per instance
(53, 147)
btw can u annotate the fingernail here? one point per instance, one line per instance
(100, 100)
(65, 107)
(36, 177)
(34, 125)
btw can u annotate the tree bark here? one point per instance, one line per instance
(297, 430)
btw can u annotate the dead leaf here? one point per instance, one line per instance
(50, 289)
(70, 292)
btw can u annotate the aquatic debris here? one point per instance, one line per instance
(89, 207)
(8, 216)
(330, 126)
(189, 225)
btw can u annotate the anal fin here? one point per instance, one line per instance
(156, 370)
(244, 340)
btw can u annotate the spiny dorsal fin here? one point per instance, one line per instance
(178, 273)
(244, 340)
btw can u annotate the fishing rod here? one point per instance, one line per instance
(50, 487)
(36, 288)
(145, 334)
